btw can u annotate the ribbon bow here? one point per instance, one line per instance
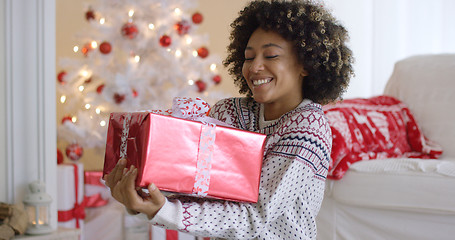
(189, 108)
(186, 108)
(77, 212)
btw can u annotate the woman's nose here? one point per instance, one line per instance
(256, 65)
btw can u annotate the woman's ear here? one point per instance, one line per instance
(304, 73)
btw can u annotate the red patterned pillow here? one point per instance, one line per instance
(377, 127)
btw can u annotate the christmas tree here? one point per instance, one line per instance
(136, 55)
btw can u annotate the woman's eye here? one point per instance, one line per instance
(271, 56)
(267, 57)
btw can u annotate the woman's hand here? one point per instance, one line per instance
(121, 181)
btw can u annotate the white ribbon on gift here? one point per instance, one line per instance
(125, 132)
(204, 159)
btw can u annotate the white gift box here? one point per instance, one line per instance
(70, 186)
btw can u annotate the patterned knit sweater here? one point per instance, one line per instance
(293, 174)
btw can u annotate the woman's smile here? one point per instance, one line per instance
(260, 82)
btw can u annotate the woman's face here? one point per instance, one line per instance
(272, 70)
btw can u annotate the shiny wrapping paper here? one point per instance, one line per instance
(165, 150)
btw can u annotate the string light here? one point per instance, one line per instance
(178, 53)
(87, 106)
(98, 111)
(94, 44)
(103, 123)
(85, 73)
(151, 26)
(189, 40)
(81, 88)
(63, 99)
(195, 53)
(102, 21)
(73, 119)
(131, 13)
(190, 82)
(137, 58)
(177, 11)
(213, 67)
(75, 49)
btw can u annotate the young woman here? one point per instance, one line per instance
(288, 57)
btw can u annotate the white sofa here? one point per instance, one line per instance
(402, 198)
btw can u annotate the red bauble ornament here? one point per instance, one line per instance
(129, 30)
(105, 47)
(216, 79)
(182, 27)
(134, 93)
(202, 52)
(74, 151)
(165, 41)
(59, 156)
(89, 15)
(119, 98)
(86, 49)
(100, 88)
(67, 118)
(201, 86)
(197, 18)
(61, 77)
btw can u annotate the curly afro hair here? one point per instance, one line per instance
(318, 39)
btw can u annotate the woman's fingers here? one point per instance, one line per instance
(119, 169)
(157, 200)
(116, 174)
(129, 178)
(124, 190)
(156, 196)
(126, 187)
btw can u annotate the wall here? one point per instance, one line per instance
(29, 106)
(2, 105)
(384, 32)
(357, 17)
(217, 17)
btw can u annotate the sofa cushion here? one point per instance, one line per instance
(426, 84)
(378, 127)
(405, 184)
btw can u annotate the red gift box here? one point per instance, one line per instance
(186, 156)
(158, 233)
(96, 193)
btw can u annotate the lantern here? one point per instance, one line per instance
(37, 204)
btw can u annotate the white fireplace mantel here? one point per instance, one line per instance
(27, 99)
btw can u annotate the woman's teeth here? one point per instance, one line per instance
(261, 81)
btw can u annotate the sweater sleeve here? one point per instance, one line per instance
(290, 194)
